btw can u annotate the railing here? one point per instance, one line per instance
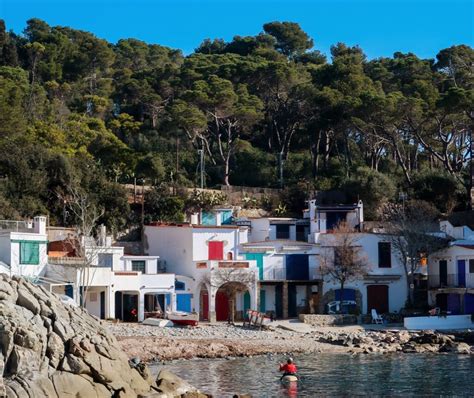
(436, 281)
(66, 260)
(274, 274)
(16, 226)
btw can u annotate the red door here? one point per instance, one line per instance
(204, 306)
(377, 298)
(216, 250)
(222, 306)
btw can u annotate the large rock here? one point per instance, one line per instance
(48, 349)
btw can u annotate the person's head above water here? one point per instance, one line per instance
(289, 360)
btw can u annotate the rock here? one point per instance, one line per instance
(462, 348)
(52, 350)
(172, 385)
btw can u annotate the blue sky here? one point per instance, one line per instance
(380, 27)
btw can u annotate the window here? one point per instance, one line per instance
(471, 266)
(138, 266)
(385, 255)
(29, 253)
(301, 233)
(283, 231)
(105, 260)
(179, 285)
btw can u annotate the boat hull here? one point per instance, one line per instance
(289, 379)
(183, 319)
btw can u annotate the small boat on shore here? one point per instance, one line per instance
(183, 318)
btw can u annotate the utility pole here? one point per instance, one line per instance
(201, 166)
(143, 203)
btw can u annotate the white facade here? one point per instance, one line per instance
(110, 271)
(23, 247)
(393, 277)
(186, 250)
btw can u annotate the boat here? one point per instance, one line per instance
(289, 378)
(183, 318)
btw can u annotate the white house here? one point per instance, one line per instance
(384, 287)
(114, 285)
(23, 247)
(451, 272)
(208, 256)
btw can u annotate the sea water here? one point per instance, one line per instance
(333, 375)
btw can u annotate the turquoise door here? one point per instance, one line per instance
(259, 258)
(246, 303)
(262, 301)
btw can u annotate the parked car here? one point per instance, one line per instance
(348, 307)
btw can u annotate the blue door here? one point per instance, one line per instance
(462, 273)
(297, 267)
(454, 303)
(183, 302)
(469, 303)
(348, 294)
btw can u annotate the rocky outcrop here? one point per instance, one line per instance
(49, 349)
(399, 341)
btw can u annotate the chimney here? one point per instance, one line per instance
(102, 235)
(39, 225)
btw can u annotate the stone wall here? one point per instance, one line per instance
(328, 320)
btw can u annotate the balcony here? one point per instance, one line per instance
(274, 274)
(436, 281)
(215, 264)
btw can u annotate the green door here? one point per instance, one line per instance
(259, 258)
(262, 301)
(246, 303)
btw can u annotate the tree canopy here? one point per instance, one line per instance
(266, 110)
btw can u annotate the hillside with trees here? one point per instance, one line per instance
(266, 110)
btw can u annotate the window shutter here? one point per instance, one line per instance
(216, 250)
(29, 253)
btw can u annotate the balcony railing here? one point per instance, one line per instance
(436, 281)
(274, 274)
(15, 226)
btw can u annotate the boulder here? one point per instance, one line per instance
(49, 349)
(171, 385)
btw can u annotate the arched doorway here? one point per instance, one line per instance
(230, 301)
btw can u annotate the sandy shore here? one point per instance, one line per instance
(213, 341)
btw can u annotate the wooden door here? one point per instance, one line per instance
(377, 298)
(204, 306)
(222, 306)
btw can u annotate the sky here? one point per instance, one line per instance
(380, 27)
